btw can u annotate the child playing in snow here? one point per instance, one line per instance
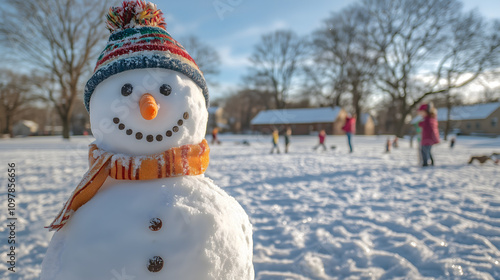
(288, 134)
(350, 129)
(395, 143)
(321, 136)
(215, 133)
(276, 138)
(430, 133)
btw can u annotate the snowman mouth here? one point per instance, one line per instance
(150, 137)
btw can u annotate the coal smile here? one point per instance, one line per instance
(150, 138)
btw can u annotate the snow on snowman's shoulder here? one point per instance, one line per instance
(206, 190)
(209, 184)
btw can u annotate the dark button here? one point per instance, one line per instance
(116, 120)
(155, 224)
(186, 115)
(150, 138)
(175, 129)
(159, 137)
(129, 131)
(169, 133)
(121, 126)
(138, 136)
(180, 122)
(155, 264)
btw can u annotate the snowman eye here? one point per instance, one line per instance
(127, 89)
(165, 89)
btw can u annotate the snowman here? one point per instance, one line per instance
(144, 210)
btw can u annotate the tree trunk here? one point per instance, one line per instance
(357, 108)
(400, 125)
(66, 124)
(448, 115)
(359, 125)
(277, 100)
(7, 129)
(337, 100)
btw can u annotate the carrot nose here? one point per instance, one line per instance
(148, 106)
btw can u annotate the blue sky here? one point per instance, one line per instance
(233, 27)
(237, 26)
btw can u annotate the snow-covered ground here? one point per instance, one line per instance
(316, 215)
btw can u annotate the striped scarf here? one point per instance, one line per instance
(175, 162)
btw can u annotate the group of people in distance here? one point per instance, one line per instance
(427, 131)
(428, 127)
(349, 128)
(427, 134)
(276, 137)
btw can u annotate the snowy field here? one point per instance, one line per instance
(316, 215)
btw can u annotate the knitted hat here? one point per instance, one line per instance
(139, 40)
(424, 107)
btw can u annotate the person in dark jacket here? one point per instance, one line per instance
(288, 135)
(430, 132)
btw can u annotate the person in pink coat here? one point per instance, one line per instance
(322, 137)
(350, 129)
(430, 132)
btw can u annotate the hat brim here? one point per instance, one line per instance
(143, 62)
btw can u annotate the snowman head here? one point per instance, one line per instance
(146, 111)
(146, 94)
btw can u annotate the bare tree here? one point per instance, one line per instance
(428, 47)
(206, 57)
(470, 53)
(241, 107)
(346, 62)
(276, 61)
(490, 95)
(60, 38)
(14, 96)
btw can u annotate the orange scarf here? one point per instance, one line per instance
(179, 161)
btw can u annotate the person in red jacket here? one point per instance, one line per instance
(430, 132)
(350, 129)
(322, 137)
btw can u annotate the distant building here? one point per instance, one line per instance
(302, 121)
(53, 130)
(25, 128)
(216, 119)
(368, 124)
(472, 119)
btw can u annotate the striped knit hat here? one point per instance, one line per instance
(139, 40)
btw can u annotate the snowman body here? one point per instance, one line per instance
(197, 230)
(170, 228)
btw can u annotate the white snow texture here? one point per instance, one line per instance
(315, 215)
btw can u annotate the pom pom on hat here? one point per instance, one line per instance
(134, 14)
(139, 40)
